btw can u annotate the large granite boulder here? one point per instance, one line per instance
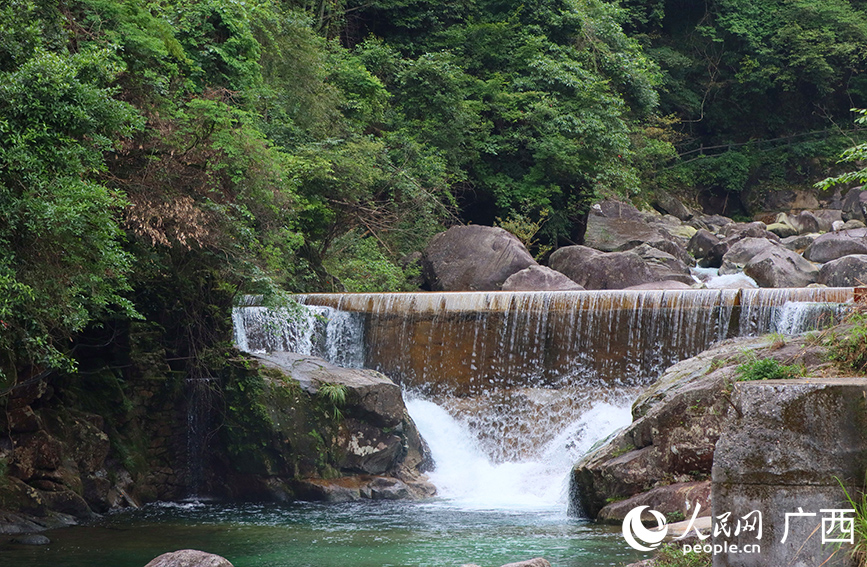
(834, 245)
(664, 266)
(701, 243)
(667, 203)
(189, 558)
(790, 445)
(597, 270)
(539, 278)
(741, 252)
(855, 205)
(473, 258)
(613, 227)
(848, 271)
(780, 267)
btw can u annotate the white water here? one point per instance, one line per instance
(467, 478)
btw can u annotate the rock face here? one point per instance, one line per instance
(595, 270)
(788, 443)
(834, 245)
(189, 558)
(473, 258)
(780, 267)
(613, 227)
(539, 278)
(848, 271)
(374, 448)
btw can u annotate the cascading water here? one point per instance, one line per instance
(516, 386)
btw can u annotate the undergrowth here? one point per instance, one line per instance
(848, 349)
(755, 368)
(673, 556)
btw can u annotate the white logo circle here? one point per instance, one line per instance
(633, 528)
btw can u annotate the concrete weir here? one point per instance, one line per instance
(467, 342)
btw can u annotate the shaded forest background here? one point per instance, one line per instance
(160, 158)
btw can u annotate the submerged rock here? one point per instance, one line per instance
(189, 558)
(473, 258)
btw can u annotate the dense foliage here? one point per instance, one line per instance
(157, 159)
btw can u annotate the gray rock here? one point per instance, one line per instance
(855, 205)
(664, 266)
(853, 223)
(806, 222)
(664, 284)
(826, 218)
(848, 271)
(799, 243)
(31, 539)
(667, 203)
(669, 499)
(537, 562)
(741, 252)
(189, 558)
(789, 442)
(702, 243)
(613, 227)
(835, 245)
(754, 229)
(596, 270)
(369, 394)
(783, 230)
(473, 258)
(539, 278)
(780, 267)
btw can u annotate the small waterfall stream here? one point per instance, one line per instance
(511, 388)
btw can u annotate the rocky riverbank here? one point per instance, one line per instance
(624, 248)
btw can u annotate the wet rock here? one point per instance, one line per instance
(702, 243)
(596, 270)
(780, 267)
(834, 245)
(362, 487)
(189, 558)
(367, 449)
(855, 205)
(848, 271)
(676, 501)
(473, 258)
(31, 539)
(539, 278)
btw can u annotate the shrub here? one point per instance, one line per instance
(767, 369)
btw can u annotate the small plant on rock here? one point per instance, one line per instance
(334, 395)
(767, 369)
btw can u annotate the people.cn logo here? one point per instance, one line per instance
(634, 531)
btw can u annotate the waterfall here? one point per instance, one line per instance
(527, 374)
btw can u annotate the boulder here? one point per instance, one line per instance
(790, 445)
(848, 271)
(473, 258)
(665, 202)
(712, 223)
(780, 267)
(664, 284)
(835, 245)
(738, 231)
(30, 539)
(596, 270)
(826, 218)
(539, 278)
(806, 222)
(741, 252)
(189, 558)
(783, 230)
(799, 243)
(676, 501)
(664, 266)
(853, 223)
(702, 243)
(855, 205)
(361, 487)
(613, 227)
